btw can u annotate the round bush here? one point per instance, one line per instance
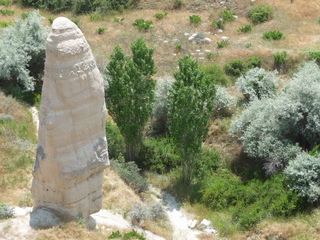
(304, 173)
(257, 83)
(235, 67)
(260, 14)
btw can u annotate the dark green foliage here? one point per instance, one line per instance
(141, 24)
(53, 5)
(245, 29)
(223, 43)
(160, 15)
(6, 12)
(5, 3)
(215, 73)
(207, 163)
(190, 105)
(6, 211)
(260, 14)
(272, 35)
(130, 93)
(315, 56)
(221, 190)
(116, 145)
(250, 202)
(235, 67)
(159, 155)
(82, 6)
(195, 19)
(254, 62)
(280, 61)
(130, 173)
(219, 24)
(101, 30)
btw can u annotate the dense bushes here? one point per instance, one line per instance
(257, 83)
(159, 155)
(275, 130)
(215, 73)
(251, 202)
(81, 6)
(116, 145)
(235, 67)
(22, 54)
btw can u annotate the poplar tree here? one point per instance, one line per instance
(190, 106)
(130, 93)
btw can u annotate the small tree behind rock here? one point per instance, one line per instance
(130, 92)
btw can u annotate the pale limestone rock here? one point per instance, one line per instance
(72, 147)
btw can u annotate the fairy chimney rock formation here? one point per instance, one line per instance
(72, 146)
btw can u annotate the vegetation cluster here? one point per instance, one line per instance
(166, 125)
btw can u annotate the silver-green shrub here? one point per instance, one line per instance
(257, 83)
(160, 105)
(223, 101)
(6, 211)
(303, 173)
(275, 130)
(22, 51)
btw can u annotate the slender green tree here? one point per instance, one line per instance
(190, 106)
(130, 92)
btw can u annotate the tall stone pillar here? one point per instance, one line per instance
(72, 146)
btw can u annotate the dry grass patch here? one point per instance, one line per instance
(117, 195)
(17, 149)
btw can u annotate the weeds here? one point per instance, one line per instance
(280, 60)
(4, 24)
(272, 35)
(95, 17)
(118, 20)
(5, 3)
(227, 16)
(101, 30)
(195, 19)
(223, 43)
(160, 15)
(6, 12)
(245, 29)
(177, 4)
(141, 24)
(219, 24)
